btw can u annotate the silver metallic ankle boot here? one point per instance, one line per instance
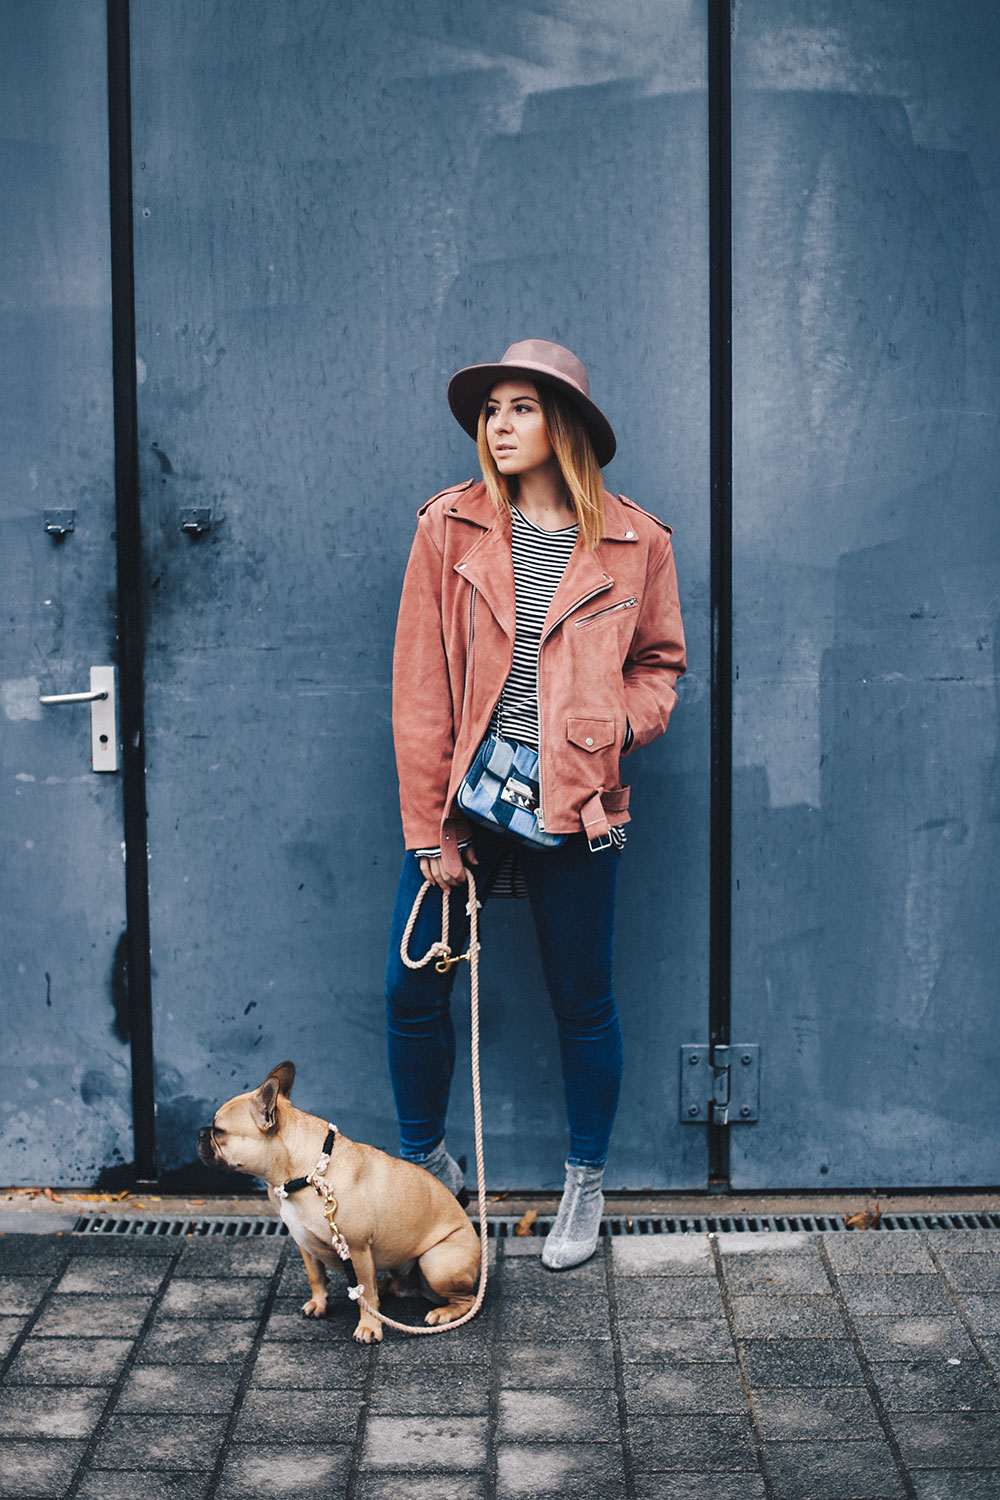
(444, 1167)
(574, 1235)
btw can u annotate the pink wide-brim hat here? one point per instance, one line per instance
(540, 361)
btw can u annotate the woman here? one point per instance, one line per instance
(543, 609)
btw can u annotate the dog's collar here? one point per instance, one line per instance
(296, 1184)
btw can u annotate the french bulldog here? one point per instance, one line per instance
(394, 1216)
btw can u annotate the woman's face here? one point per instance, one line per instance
(515, 428)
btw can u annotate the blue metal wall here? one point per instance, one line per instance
(65, 1109)
(330, 218)
(867, 576)
(332, 212)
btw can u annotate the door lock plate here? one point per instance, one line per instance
(103, 720)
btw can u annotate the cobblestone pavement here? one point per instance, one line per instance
(736, 1367)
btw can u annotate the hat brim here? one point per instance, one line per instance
(468, 389)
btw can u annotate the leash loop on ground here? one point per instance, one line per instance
(443, 960)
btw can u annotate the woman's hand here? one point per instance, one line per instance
(432, 870)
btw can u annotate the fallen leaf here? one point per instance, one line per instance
(196, 1202)
(52, 1196)
(869, 1219)
(500, 1197)
(526, 1223)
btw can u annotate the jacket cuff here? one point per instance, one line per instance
(435, 853)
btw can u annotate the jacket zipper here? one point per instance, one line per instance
(538, 689)
(609, 609)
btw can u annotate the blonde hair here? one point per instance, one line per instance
(575, 453)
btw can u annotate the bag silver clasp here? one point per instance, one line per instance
(519, 794)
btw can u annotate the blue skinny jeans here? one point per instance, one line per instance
(572, 896)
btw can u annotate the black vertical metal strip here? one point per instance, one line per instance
(130, 634)
(721, 444)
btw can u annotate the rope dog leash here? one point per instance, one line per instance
(443, 959)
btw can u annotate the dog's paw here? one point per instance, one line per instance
(314, 1308)
(368, 1332)
(449, 1312)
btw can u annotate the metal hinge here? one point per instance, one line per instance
(720, 1085)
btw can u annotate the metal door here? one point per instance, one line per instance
(867, 574)
(65, 1105)
(330, 217)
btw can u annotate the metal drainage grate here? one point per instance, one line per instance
(224, 1226)
(791, 1223)
(232, 1228)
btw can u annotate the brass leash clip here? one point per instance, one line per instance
(330, 1213)
(329, 1204)
(447, 961)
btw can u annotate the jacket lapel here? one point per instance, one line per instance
(584, 577)
(487, 564)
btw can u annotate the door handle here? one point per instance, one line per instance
(73, 697)
(103, 730)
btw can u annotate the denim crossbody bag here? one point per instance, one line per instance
(500, 790)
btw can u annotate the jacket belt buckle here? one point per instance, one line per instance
(601, 841)
(519, 794)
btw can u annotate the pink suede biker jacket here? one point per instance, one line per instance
(612, 651)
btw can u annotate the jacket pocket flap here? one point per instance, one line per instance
(591, 734)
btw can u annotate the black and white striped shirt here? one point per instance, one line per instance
(540, 560)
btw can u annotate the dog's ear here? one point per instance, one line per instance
(264, 1104)
(278, 1081)
(284, 1077)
